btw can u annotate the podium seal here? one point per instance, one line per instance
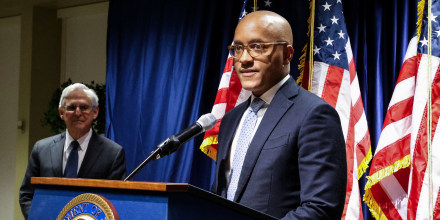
(88, 206)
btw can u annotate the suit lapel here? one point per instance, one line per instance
(279, 105)
(233, 123)
(226, 141)
(93, 151)
(56, 154)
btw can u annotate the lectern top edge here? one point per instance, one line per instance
(113, 184)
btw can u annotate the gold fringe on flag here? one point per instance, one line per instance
(381, 174)
(302, 59)
(207, 147)
(420, 8)
(364, 164)
(375, 210)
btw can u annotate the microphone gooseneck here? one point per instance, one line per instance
(173, 142)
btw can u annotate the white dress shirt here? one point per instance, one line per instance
(82, 148)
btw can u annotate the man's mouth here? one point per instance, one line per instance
(248, 72)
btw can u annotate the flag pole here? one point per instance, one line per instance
(312, 28)
(429, 108)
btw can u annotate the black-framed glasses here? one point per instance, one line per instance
(254, 49)
(82, 108)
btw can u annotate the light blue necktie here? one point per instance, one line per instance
(71, 169)
(242, 145)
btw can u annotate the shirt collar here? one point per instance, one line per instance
(269, 94)
(83, 141)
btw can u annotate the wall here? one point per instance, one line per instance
(9, 77)
(84, 40)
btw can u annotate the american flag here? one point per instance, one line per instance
(334, 79)
(404, 178)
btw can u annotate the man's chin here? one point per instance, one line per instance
(250, 86)
(79, 126)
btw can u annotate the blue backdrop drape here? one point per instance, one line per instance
(165, 59)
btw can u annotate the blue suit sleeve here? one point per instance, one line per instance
(322, 166)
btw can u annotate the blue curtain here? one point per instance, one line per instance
(163, 69)
(165, 59)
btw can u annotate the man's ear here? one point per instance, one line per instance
(61, 113)
(95, 112)
(288, 55)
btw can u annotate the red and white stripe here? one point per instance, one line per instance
(389, 193)
(419, 192)
(340, 88)
(403, 191)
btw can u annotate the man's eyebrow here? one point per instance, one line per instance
(257, 40)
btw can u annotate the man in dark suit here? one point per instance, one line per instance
(282, 152)
(77, 153)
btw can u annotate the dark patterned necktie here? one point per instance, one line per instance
(72, 162)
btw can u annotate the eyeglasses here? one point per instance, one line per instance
(254, 49)
(82, 108)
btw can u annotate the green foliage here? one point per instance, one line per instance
(52, 117)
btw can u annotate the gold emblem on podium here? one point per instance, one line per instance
(88, 206)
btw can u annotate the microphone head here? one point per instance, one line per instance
(207, 121)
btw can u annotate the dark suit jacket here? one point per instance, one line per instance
(295, 166)
(104, 159)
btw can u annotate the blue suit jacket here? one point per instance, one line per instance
(295, 166)
(104, 159)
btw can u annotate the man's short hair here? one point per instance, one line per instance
(89, 92)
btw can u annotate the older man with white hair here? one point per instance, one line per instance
(77, 153)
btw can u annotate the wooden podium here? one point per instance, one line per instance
(137, 200)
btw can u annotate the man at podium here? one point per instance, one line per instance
(282, 152)
(77, 153)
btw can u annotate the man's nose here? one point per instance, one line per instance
(245, 57)
(77, 111)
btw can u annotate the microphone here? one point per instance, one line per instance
(173, 142)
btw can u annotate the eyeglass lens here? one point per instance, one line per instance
(72, 108)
